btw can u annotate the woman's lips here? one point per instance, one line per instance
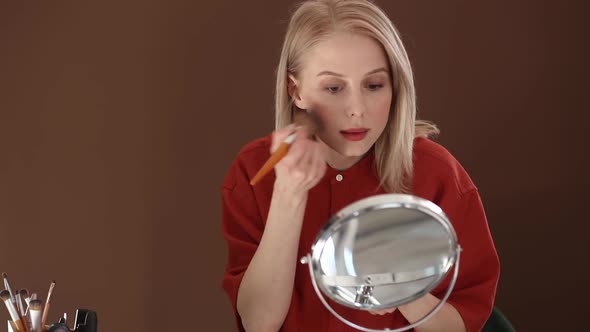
(354, 134)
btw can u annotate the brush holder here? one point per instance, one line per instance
(85, 321)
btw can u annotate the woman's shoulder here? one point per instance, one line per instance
(249, 159)
(255, 147)
(435, 165)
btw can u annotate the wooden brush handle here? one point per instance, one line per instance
(13, 325)
(23, 321)
(271, 162)
(44, 316)
(18, 325)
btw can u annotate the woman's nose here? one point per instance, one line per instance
(356, 106)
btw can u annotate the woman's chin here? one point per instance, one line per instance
(353, 151)
(348, 149)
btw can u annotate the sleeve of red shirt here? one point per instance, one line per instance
(242, 229)
(479, 270)
(441, 179)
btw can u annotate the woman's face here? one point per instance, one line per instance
(345, 81)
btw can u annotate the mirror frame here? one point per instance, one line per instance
(362, 207)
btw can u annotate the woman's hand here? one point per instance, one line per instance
(303, 166)
(382, 311)
(264, 308)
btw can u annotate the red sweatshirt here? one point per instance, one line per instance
(438, 177)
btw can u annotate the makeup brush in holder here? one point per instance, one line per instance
(31, 316)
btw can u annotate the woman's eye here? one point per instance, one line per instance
(333, 89)
(375, 86)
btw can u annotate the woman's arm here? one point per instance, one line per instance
(471, 300)
(264, 295)
(446, 319)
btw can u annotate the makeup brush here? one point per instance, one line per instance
(21, 309)
(12, 327)
(301, 118)
(28, 299)
(24, 295)
(19, 303)
(5, 296)
(35, 312)
(7, 286)
(47, 304)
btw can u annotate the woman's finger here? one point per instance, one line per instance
(382, 311)
(305, 162)
(280, 135)
(318, 164)
(292, 159)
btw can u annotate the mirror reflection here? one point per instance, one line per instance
(383, 251)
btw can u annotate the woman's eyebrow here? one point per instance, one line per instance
(331, 73)
(381, 69)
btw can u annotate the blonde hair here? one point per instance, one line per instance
(315, 20)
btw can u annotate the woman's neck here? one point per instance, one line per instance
(338, 161)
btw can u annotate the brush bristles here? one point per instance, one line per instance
(36, 305)
(308, 120)
(5, 295)
(24, 293)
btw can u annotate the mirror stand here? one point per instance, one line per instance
(364, 296)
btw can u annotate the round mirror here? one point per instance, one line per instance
(382, 252)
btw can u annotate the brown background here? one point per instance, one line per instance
(118, 122)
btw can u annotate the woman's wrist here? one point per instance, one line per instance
(289, 194)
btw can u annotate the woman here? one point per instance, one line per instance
(343, 62)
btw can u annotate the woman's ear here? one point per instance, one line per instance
(293, 88)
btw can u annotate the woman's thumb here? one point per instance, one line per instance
(280, 135)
